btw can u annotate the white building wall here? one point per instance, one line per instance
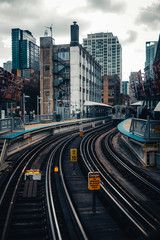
(75, 94)
(82, 81)
(103, 52)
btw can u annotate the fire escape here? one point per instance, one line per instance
(61, 76)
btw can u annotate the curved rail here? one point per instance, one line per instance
(114, 192)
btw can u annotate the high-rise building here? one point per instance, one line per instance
(69, 76)
(151, 48)
(157, 55)
(25, 52)
(107, 50)
(7, 66)
(125, 87)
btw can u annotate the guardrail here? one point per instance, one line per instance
(148, 129)
(31, 136)
(11, 124)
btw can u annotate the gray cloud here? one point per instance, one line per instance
(132, 36)
(33, 16)
(150, 16)
(28, 15)
(106, 6)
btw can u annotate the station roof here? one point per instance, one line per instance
(157, 108)
(140, 103)
(89, 103)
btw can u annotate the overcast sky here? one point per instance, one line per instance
(133, 21)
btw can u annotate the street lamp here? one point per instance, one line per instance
(38, 98)
(24, 97)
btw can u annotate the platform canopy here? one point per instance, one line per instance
(157, 108)
(140, 103)
(89, 103)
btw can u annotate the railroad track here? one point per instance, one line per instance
(26, 205)
(144, 224)
(31, 208)
(57, 207)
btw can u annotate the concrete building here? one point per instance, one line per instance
(69, 76)
(111, 90)
(7, 66)
(25, 52)
(107, 50)
(151, 48)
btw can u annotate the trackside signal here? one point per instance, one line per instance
(73, 155)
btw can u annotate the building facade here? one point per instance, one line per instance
(8, 66)
(25, 52)
(46, 75)
(125, 87)
(76, 77)
(107, 50)
(111, 90)
(151, 48)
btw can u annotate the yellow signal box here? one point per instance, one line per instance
(73, 155)
(81, 133)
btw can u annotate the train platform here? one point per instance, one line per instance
(33, 127)
(15, 141)
(143, 138)
(124, 128)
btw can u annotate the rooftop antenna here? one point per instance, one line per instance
(50, 28)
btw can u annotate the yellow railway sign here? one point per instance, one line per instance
(73, 155)
(94, 180)
(157, 129)
(81, 133)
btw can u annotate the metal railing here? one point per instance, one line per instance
(11, 124)
(2, 154)
(148, 129)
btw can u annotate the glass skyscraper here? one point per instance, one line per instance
(25, 52)
(125, 87)
(151, 48)
(107, 50)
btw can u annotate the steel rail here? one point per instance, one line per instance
(134, 201)
(82, 231)
(94, 167)
(4, 232)
(24, 157)
(50, 202)
(109, 149)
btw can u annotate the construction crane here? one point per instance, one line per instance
(50, 28)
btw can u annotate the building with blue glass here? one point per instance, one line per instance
(25, 52)
(125, 87)
(151, 48)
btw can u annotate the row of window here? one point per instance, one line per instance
(90, 92)
(100, 41)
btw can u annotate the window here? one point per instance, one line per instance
(111, 100)
(63, 55)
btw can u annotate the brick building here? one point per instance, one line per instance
(111, 90)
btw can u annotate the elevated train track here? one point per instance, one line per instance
(59, 206)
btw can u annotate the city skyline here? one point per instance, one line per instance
(134, 24)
